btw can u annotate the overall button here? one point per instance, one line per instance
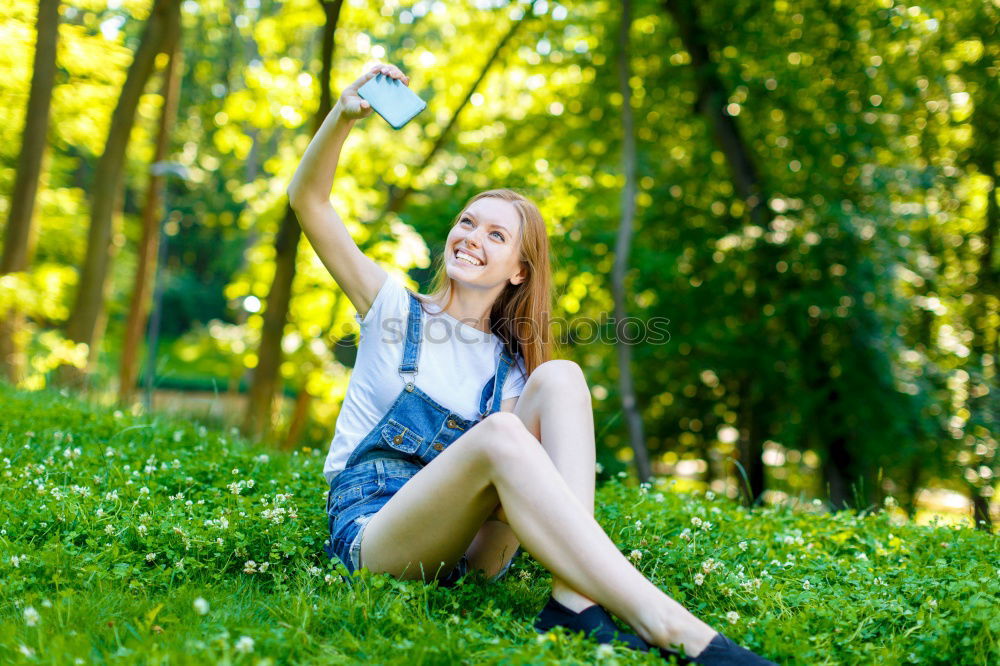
(398, 439)
(409, 386)
(451, 423)
(438, 446)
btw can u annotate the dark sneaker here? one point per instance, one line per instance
(723, 652)
(593, 621)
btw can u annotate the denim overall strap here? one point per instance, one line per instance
(494, 388)
(411, 349)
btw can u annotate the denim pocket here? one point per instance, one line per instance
(401, 438)
(345, 498)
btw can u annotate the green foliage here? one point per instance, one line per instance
(857, 319)
(148, 539)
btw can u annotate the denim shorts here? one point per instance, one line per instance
(356, 495)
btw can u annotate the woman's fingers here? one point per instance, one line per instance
(388, 70)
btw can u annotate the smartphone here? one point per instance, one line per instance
(392, 99)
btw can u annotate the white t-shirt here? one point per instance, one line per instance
(454, 364)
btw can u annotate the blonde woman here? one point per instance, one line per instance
(459, 438)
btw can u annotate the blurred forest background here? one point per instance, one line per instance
(806, 190)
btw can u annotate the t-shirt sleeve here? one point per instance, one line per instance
(516, 378)
(389, 309)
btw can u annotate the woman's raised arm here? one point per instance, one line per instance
(309, 197)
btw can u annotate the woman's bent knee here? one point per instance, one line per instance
(560, 377)
(505, 439)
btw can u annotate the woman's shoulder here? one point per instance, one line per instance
(392, 300)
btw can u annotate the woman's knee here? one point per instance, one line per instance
(502, 437)
(560, 377)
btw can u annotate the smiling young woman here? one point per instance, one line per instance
(451, 453)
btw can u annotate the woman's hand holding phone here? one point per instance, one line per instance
(352, 106)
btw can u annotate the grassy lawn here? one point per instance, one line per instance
(147, 540)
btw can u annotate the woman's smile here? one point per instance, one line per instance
(468, 258)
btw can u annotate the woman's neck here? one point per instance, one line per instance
(471, 306)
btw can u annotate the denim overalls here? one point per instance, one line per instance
(409, 436)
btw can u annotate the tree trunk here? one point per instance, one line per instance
(711, 103)
(18, 234)
(86, 321)
(267, 375)
(138, 312)
(751, 444)
(300, 417)
(623, 348)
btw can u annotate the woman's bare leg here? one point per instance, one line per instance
(555, 407)
(435, 515)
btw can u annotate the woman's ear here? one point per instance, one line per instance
(521, 275)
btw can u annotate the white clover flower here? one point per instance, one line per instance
(709, 495)
(329, 579)
(26, 651)
(658, 497)
(236, 470)
(932, 603)
(109, 529)
(805, 584)
(685, 534)
(696, 521)
(31, 616)
(142, 529)
(244, 645)
(743, 545)
(144, 491)
(16, 561)
(638, 525)
(635, 555)
(699, 579)
(200, 606)
(706, 526)
(46, 603)
(250, 567)
(314, 570)
(604, 651)
(262, 567)
(733, 617)
(709, 565)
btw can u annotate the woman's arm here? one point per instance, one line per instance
(309, 197)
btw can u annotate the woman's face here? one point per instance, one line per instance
(484, 247)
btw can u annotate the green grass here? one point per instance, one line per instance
(112, 572)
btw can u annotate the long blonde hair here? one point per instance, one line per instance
(521, 315)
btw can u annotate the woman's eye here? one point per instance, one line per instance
(465, 220)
